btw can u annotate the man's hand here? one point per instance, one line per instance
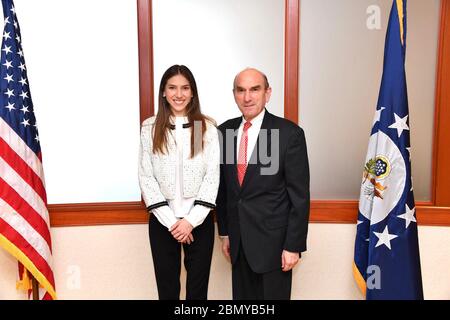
(181, 231)
(289, 260)
(226, 247)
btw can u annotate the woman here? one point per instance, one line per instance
(179, 179)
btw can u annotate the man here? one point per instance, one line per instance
(263, 199)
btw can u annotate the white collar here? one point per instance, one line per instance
(256, 120)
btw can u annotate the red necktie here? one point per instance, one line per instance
(242, 155)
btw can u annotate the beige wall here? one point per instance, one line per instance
(341, 62)
(114, 262)
(236, 30)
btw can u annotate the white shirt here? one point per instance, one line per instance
(252, 133)
(180, 207)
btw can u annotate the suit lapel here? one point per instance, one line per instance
(234, 178)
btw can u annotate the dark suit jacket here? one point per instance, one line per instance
(268, 213)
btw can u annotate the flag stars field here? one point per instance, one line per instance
(24, 94)
(399, 124)
(408, 215)
(7, 49)
(8, 64)
(9, 78)
(25, 122)
(24, 109)
(378, 115)
(409, 152)
(10, 106)
(385, 238)
(380, 167)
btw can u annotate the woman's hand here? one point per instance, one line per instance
(189, 239)
(181, 231)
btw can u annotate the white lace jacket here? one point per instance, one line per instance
(157, 171)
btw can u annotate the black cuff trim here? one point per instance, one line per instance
(157, 205)
(185, 126)
(205, 204)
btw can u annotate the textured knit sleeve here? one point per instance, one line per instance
(207, 193)
(151, 193)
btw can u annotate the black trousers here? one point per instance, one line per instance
(166, 252)
(249, 285)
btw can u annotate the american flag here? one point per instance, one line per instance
(24, 218)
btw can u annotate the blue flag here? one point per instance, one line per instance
(386, 262)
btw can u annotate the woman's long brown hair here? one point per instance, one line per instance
(193, 113)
